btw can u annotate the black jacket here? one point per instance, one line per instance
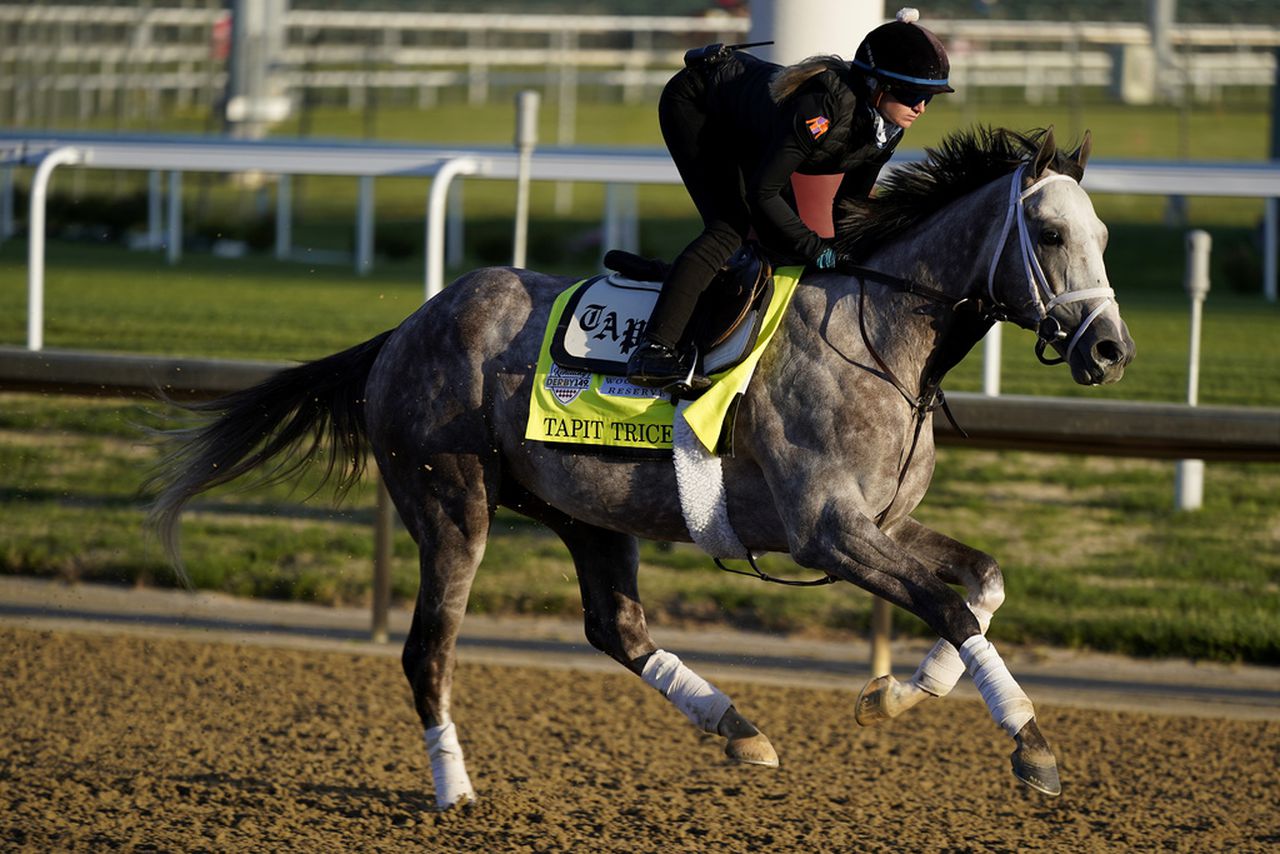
(824, 128)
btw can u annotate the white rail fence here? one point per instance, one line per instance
(620, 169)
(131, 59)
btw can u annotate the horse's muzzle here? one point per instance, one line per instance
(1102, 353)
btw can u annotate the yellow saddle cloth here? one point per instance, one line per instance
(582, 408)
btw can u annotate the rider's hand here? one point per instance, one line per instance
(826, 259)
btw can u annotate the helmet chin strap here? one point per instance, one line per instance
(1048, 329)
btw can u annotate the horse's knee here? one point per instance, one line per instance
(987, 591)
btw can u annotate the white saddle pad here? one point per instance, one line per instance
(605, 320)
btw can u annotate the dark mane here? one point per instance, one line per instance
(964, 162)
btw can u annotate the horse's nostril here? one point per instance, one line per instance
(1108, 351)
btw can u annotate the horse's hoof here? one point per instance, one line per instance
(875, 703)
(752, 750)
(463, 803)
(1038, 769)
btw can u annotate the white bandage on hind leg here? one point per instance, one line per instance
(1010, 707)
(447, 768)
(701, 702)
(942, 667)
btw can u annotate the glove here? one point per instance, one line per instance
(826, 259)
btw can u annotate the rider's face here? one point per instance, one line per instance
(902, 115)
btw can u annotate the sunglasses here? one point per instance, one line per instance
(910, 97)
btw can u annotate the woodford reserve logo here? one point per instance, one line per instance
(566, 384)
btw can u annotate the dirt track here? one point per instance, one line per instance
(160, 744)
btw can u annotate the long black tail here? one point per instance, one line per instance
(322, 401)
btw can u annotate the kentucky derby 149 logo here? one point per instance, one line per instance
(567, 384)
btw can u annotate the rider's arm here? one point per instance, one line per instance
(859, 180)
(799, 132)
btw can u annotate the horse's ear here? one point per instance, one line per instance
(1048, 148)
(1081, 155)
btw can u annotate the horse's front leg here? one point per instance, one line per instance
(885, 697)
(832, 535)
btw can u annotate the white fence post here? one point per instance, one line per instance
(621, 229)
(1189, 477)
(173, 245)
(455, 243)
(155, 202)
(437, 197)
(364, 226)
(35, 241)
(284, 217)
(1270, 254)
(526, 139)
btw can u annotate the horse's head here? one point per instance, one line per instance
(1047, 272)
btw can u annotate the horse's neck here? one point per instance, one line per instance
(948, 252)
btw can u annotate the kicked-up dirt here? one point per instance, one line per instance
(131, 743)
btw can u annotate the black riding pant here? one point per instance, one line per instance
(702, 153)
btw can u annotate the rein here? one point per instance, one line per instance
(930, 397)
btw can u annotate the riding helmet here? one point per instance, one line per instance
(905, 56)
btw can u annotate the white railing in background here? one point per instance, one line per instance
(111, 58)
(176, 155)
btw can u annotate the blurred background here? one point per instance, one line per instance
(1169, 79)
(1096, 552)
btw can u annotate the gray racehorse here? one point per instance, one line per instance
(833, 442)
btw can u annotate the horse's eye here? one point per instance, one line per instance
(1050, 237)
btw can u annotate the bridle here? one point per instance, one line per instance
(1048, 328)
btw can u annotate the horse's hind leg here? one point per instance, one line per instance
(449, 518)
(885, 697)
(606, 563)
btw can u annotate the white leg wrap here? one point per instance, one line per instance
(940, 670)
(447, 767)
(942, 667)
(1010, 707)
(701, 702)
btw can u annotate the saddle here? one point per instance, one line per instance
(605, 318)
